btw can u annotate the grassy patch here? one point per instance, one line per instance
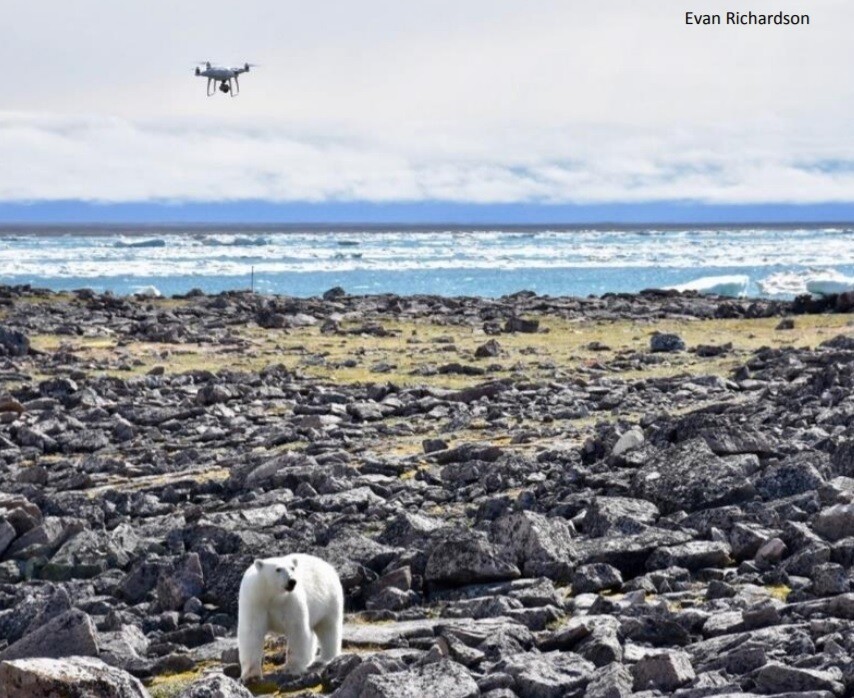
(414, 350)
(169, 685)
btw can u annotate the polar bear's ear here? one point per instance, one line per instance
(259, 564)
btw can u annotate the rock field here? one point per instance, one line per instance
(528, 497)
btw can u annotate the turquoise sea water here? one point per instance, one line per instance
(486, 262)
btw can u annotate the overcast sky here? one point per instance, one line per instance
(475, 101)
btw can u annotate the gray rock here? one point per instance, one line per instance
(71, 633)
(690, 477)
(70, 677)
(465, 557)
(666, 342)
(746, 539)
(122, 647)
(792, 476)
(631, 440)
(629, 554)
(408, 530)
(215, 686)
(7, 535)
(788, 640)
(618, 515)
(90, 553)
(33, 609)
(433, 445)
(692, 556)
(540, 546)
(351, 685)
(770, 553)
(611, 681)
(594, 637)
(490, 349)
(444, 678)
(518, 324)
(830, 579)
(549, 675)
(835, 522)
(140, 580)
(596, 577)
(13, 342)
(183, 583)
(45, 538)
(776, 677)
(391, 599)
(665, 671)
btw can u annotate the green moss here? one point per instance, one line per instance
(779, 591)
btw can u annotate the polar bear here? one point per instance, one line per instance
(299, 596)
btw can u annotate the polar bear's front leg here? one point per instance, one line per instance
(250, 647)
(301, 645)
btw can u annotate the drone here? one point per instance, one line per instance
(217, 74)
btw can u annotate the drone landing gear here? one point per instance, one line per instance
(225, 86)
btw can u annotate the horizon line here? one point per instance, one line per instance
(418, 213)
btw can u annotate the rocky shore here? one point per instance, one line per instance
(528, 497)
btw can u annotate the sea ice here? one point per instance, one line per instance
(147, 292)
(733, 285)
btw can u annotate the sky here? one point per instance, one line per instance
(464, 108)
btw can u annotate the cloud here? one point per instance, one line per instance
(50, 157)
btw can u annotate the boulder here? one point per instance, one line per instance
(777, 677)
(666, 342)
(547, 675)
(518, 324)
(835, 522)
(70, 677)
(14, 343)
(611, 681)
(175, 588)
(618, 515)
(690, 477)
(539, 546)
(444, 678)
(71, 633)
(793, 476)
(693, 555)
(596, 577)
(665, 671)
(630, 440)
(465, 557)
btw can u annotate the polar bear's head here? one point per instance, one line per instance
(279, 575)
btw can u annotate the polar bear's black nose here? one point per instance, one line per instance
(291, 584)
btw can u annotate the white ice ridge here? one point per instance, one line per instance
(819, 282)
(147, 292)
(734, 285)
(832, 282)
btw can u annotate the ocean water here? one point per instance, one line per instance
(489, 262)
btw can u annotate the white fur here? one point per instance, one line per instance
(312, 611)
